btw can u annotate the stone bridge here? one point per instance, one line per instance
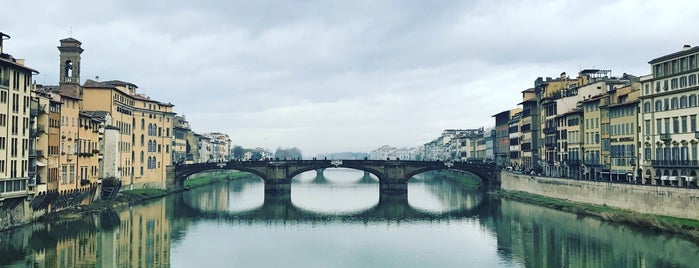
(393, 175)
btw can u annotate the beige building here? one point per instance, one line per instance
(39, 143)
(623, 118)
(145, 128)
(669, 119)
(220, 146)
(15, 95)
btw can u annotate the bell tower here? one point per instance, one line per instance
(70, 61)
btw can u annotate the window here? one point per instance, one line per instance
(693, 123)
(692, 100)
(646, 107)
(675, 125)
(692, 80)
(673, 83)
(674, 103)
(683, 102)
(684, 124)
(683, 82)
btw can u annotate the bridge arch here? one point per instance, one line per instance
(372, 171)
(392, 174)
(485, 177)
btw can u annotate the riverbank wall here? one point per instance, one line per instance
(649, 199)
(15, 212)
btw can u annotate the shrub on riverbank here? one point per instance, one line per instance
(214, 178)
(465, 179)
(685, 227)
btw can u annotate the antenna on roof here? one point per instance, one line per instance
(70, 32)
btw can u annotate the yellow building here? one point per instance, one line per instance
(623, 117)
(68, 159)
(548, 91)
(88, 149)
(145, 128)
(15, 94)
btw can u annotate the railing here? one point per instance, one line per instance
(665, 137)
(572, 162)
(549, 130)
(675, 163)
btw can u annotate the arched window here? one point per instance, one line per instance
(68, 70)
(683, 102)
(143, 124)
(142, 140)
(658, 105)
(646, 107)
(142, 157)
(692, 100)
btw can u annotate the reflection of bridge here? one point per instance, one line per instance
(278, 207)
(393, 175)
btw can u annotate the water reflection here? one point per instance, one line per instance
(542, 237)
(135, 237)
(438, 224)
(280, 208)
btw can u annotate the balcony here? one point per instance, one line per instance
(665, 137)
(36, 153)
(572, 163)
(675, 163)
(549, 130)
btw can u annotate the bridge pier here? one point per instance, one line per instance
(278, 186)
(393, 187)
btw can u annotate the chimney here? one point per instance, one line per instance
(3, 36)
(685, 47)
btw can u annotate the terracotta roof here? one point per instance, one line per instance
(119, 83)
(94, 84)
(9, 60)
(70, 91)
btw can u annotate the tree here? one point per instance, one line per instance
(238, 152)
(288, 153)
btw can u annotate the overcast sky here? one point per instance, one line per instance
(330, 76)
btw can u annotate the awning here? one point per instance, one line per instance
(691, 179)
(39, 164)
(664, 178)
(673, 178)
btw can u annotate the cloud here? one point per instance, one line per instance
(332, 76)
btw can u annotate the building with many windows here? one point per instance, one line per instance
(15, 95)
(668, 118)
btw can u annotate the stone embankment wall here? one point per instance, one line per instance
(658, 200)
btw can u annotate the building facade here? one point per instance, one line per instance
(668, 119)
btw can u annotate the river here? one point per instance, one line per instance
(339, 219)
